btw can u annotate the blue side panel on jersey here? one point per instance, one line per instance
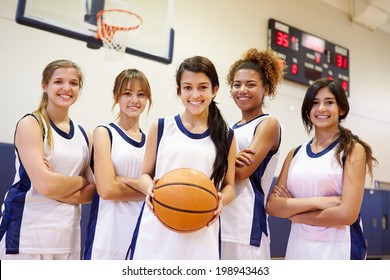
(90, 234)
(14, 205)
(358, 244)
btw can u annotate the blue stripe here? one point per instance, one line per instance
(62, 133)
(84, 134)
(130, 252)
(259, 222)
(182, 128)
(219, 238)
(358, 243)
(91, 229)
(323, 152)
(237, 125)
(14, 208)
(160, 130)
(127, 138)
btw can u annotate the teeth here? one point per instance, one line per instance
(322, 117)
(195, 102)
(243, 98)
(64, 96)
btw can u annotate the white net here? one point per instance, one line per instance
(114, 27)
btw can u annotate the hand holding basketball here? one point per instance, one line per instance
(149, 196)
(218, 211)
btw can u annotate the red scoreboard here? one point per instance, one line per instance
(308, 57)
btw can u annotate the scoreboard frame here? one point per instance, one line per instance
(308, 57)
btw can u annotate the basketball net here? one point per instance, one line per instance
(114, 28)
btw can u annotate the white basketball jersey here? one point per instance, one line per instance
(244, 220)
(177, 148)
(35, 224)
(320, 174)
(112, 223)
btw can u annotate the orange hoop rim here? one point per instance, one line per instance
(101, 22)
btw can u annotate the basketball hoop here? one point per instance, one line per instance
(114, 28)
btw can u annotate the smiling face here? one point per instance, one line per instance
(62, 88)
(133, 100)
(196, 92)
(325, 111)
(248, 91)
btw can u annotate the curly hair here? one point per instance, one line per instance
(269, 66)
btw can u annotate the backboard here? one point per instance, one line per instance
(77, 19)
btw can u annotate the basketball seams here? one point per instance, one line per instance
(184, 210)
(185, 184)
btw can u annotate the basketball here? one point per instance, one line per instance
(185, 200)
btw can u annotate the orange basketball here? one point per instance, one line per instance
(185, 200)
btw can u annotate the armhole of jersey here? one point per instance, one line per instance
(160, 130)
(280, 134)
(92, 162)
(85, 134)
(296, 150)
(35, 117)
(109, 133)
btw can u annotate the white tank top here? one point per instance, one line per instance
(36, 224)
(244, 220)
(177, 148)
(112, 223)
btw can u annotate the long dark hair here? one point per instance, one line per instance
(347, 138)
(216, 123)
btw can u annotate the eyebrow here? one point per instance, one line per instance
(201, 83)
(247, 81)
(326, 98)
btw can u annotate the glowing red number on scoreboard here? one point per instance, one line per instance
(341, 61)
(282, 39)
(294, 69)
(344, 84)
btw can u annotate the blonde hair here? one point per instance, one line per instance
(41, 112)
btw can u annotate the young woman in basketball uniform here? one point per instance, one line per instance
(42, 211)
(118, 154)
(321, 185)
(245, 233)
(200, 139)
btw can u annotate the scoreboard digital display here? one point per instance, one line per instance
(308, 57)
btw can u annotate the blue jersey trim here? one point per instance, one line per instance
(237, 124)
(188, 133)
(130, 252)
(91, 229)
(358, 243)
(62, 133)
(323, 152)
(127, 138)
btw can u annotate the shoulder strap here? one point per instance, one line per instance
(296, 150)
(84, 134)
(109, 133)
(35, 117)
(160, 131)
